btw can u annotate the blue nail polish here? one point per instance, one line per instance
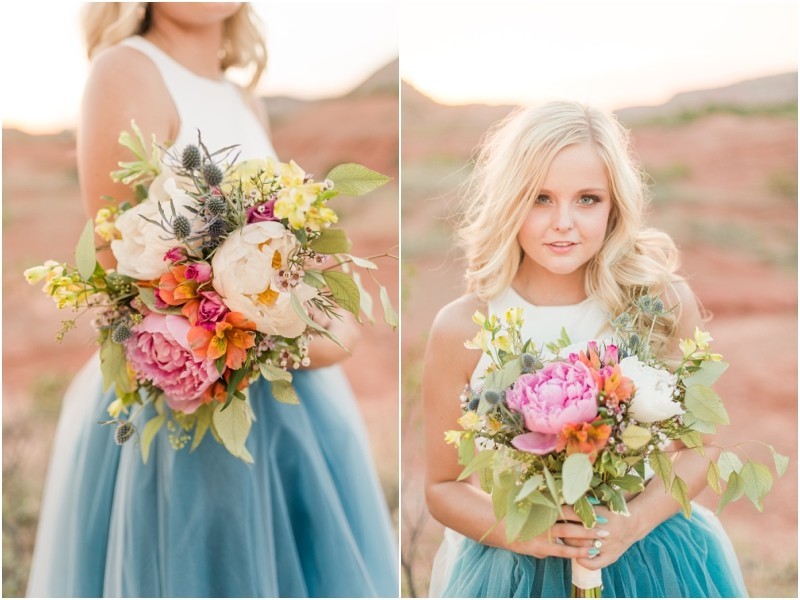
(593, 500)
(593, 552)
(601, 519)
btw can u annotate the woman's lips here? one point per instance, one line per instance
(561, 247)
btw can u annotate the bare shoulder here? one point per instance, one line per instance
(453, 326)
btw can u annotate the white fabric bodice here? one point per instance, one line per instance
(215, 107)
(583, 322)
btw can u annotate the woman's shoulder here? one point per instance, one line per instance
(126, 65)
(452, 326)
(456, 316)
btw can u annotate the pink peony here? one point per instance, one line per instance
(560, 394)
(159, 352)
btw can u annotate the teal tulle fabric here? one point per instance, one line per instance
(679, 559)
(308, 519)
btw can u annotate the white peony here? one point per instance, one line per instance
(140, 252)
(245, 270)
(653, 400)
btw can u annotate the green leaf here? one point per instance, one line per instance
(576, 475)
(344, 290)
(613, 499)
(201, 426)
(389, 314)
(114, 367)
(732, 493)
(362, 262)
(629, 483)
(728, 463)
(540, 519)
(85, 257)
(698, 425)
(273, 373)
(466, 449)
(233, 425)
(662, 466)
(149, 432)
(502, 486)
(681, 493)
(585, 511)
(300, 311)
(148, 296)
(781, 462)
(693, 439)
(314, 278)
(707, 374)
(540, 498)
(366, 298)
(356, 180)
(635, 437)
(284, 392)
(516, 516)
(713, 477)
(331, 241)
(757, 480)
(529, 487)
(704, 403)
(483, 459)
(551, 486)
(499, 380)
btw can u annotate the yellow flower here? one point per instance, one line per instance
(253, 174)
(702, 339)
(480, 341)
(493, 424)
(469, 420)
(453, 437)
(291, 174)
(502, 342)
(514, 316)
(36, 274)
(116, 408)
(478, 318)
(688, 347)
(294, 202)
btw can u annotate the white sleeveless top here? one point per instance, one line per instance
(216, 107)
(583, 322)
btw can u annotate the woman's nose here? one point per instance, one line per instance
(563, 220)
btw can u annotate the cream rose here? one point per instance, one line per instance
(140, 252)
(245, 270)
(653, 400)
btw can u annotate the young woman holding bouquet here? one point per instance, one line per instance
(308, 517)
(553, 223)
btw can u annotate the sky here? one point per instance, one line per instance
(316, 49)
(612, 53)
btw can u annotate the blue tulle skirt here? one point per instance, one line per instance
(308, 519)
(679, 559)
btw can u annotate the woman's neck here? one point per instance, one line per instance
(545, 288)
(196, 48)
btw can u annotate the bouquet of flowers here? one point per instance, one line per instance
(221, 269)
(580, 425)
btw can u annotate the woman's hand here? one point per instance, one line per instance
(565, 539)
(614, 534)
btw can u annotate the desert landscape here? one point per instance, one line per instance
(723, 168)
(42, 218)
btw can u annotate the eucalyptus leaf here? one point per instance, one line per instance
(551, 486)
(757, 480)
(540, 519)
(662, 466)
(781, 461)
(149, 432)
(698, 425)
(353, 179)
(529, 487)
(389, 314)
(365, 297)
(362, 262)
(704, 403)
(284, 392)
(344, 290)
(114, 366)
(233, 425)
(85, 256)
(636, 437)
(707, 374)
(331, 241)
(516, 515)
(712, 476)
(502, 487)
(576, 475)
(201, 427)
(314, 278)
(693, 439)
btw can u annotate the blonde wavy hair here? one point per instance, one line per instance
(510, 169)
(107, 23)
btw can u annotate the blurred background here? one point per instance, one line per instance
(331, 88)
(709, 90)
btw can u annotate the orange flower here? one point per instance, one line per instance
(613, 385)
(231, 338)
(218, 392)
(174, 288)
(592, 360)
(583, 437)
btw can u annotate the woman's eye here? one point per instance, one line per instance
(542, 199)
(587, 200)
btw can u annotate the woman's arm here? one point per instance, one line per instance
(461, 505)
(655, 505)
(123, 84)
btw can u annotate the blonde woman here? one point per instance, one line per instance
(553, 223)
(308, 517)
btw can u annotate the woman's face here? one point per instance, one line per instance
(567, 223)
(194, 14)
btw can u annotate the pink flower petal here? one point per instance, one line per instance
(535, 443)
